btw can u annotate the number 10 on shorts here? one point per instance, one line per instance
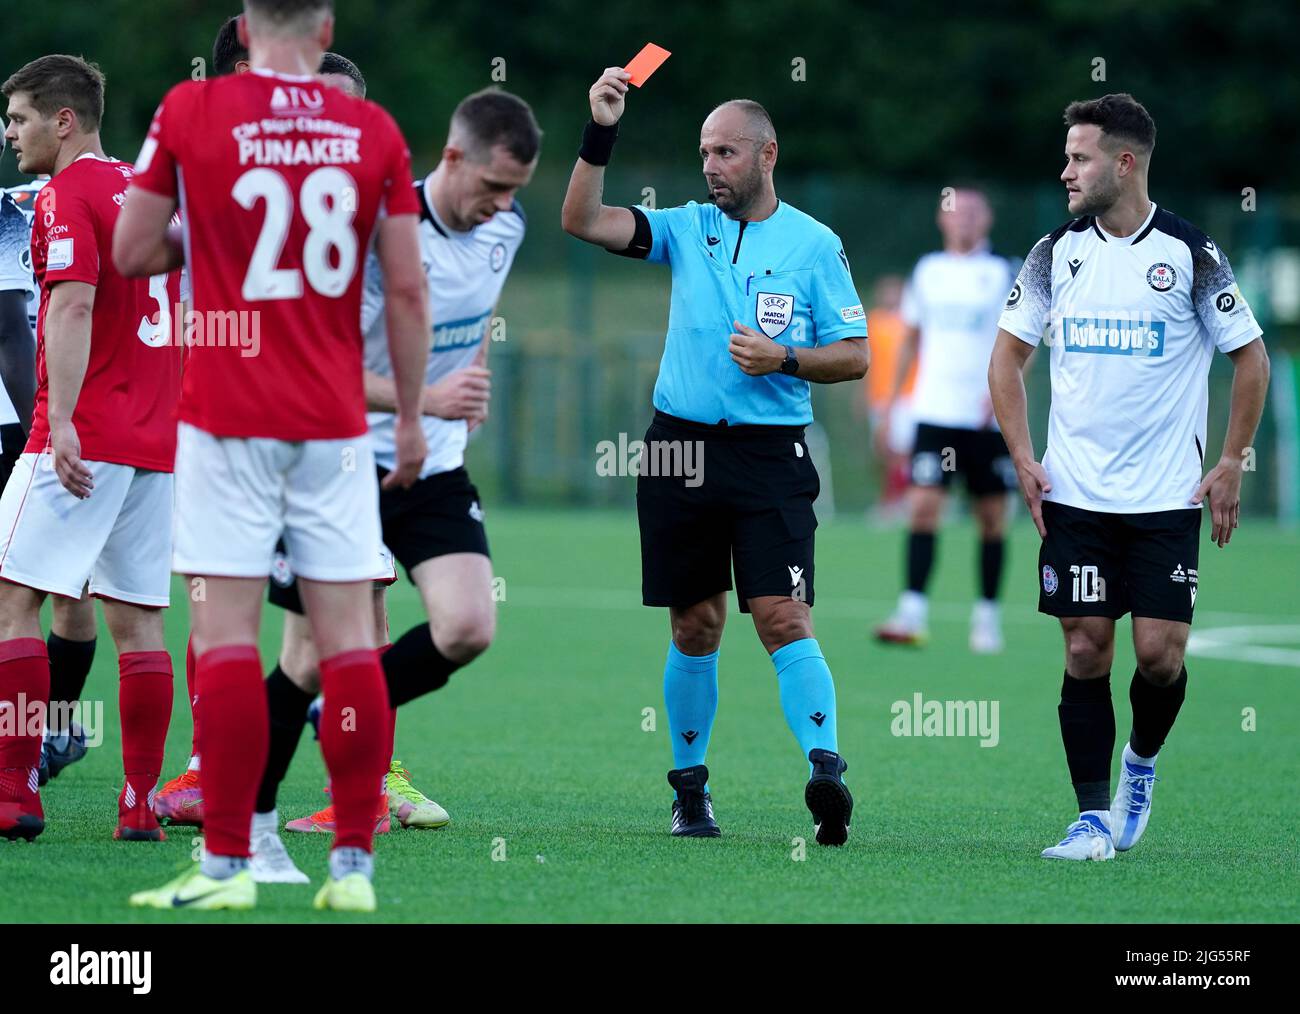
(1086, 584)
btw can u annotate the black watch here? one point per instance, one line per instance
(791, 365)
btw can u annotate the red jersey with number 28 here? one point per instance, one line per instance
(281, 180)
(126, 409)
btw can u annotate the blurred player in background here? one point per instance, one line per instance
(471, 227)
(1134, 301)
(274, 442)
(90, 499)
(892, 425)
(951, 309)
(71, 643)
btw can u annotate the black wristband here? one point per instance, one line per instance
(597, 143)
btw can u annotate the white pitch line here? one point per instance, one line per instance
(1251, 643)
(837, 607)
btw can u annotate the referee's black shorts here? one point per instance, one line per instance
(742, 495)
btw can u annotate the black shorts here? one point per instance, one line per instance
(1094, 563)
(437, 516)
(12, 442)
(940, 452)
(742, 495)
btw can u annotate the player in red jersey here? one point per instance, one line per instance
(91, 496)
(282, 180)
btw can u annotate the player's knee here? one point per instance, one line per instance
(465, 638)
(1088, 651)
(784, 628)
(1159, 664)
(697, 633)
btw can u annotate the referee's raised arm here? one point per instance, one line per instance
(583, 215)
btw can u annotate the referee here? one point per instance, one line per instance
(762, 304)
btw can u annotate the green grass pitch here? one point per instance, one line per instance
(560, 807)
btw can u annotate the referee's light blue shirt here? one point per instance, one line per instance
(786, 277)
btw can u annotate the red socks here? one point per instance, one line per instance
(236, 735)
(145, 701)
(191, 677)
(24, 693)
(354, 729)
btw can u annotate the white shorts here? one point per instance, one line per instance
(902, 427)
(118, 538)
(236, 496)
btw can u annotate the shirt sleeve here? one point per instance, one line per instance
(15, 249)
(65, 225)
(372, 294)
(1028, 311)
(666, 226)
(399, 196)
(1222, 309)
(836, 309)
(909, 309)
(155, 166)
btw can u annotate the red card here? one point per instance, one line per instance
(646, 63)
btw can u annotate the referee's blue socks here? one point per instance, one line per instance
(691, 696)
(807, 694)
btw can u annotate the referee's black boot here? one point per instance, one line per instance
(828, 797)
(693, 807)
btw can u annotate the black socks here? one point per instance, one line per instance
(920, 558)
(1154, 711)
(991, 553)
(70, 663)
(413, 666)
(1088, 732)
(288, 706)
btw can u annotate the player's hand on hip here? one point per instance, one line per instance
(755, 353)
(475, 421)
(606, 96)
(65, 445)
(1033, 484)
(411, 452)
(463, 394)
(1223, 486)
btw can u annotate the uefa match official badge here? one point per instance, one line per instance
(774, 311)
(1050, 581)
(497, 258)
(1162, 277)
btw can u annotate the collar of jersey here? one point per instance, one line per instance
(93, 156)
(435, 219)
(267, 72)
(780, 207)
(1138, 233)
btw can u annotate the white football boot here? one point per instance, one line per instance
(986, 628)
(1087, 838)
(1131, 808)
(269, 861)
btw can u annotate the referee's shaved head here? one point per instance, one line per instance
(760, 123)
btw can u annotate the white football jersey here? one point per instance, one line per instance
(1132, 324)
(17, 206)
(466, 272)
(955, 300)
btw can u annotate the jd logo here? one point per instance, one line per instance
(774, 311)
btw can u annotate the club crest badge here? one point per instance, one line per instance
(1161, 277)
(1050, 581)
(774, 311)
